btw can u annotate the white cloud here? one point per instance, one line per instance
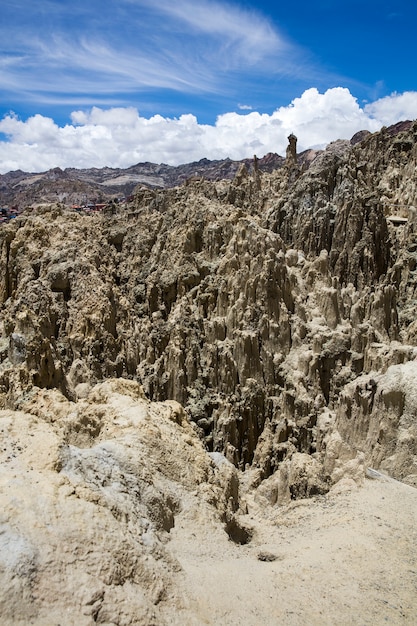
(250, 33)
(120, 137)
(111, 49)
(394, 107)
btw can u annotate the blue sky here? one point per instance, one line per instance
(117, 82)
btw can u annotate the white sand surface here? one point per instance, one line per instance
(340, 559)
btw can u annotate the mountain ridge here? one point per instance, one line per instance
(73, 186)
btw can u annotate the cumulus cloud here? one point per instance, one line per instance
(394, 107)
(120, 137)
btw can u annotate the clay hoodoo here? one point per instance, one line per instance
(263, 324)
(255, 306)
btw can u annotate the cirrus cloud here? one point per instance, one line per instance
(102, 51)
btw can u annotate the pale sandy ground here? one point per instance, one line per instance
(347, 558)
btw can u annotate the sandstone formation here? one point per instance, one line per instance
(277, 308)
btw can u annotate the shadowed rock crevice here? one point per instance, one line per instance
(238, 533)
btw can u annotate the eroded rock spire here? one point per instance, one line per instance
(291, 155)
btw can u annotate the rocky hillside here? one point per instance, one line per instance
(79, 187)
(253, 302)
(277, 308)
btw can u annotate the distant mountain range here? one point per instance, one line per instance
(90, 186)
(83, 186)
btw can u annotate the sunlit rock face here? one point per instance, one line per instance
(256, 303)
(89, 495)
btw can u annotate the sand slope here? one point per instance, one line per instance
(344, 558)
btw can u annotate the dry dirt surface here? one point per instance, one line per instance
(344, 558)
